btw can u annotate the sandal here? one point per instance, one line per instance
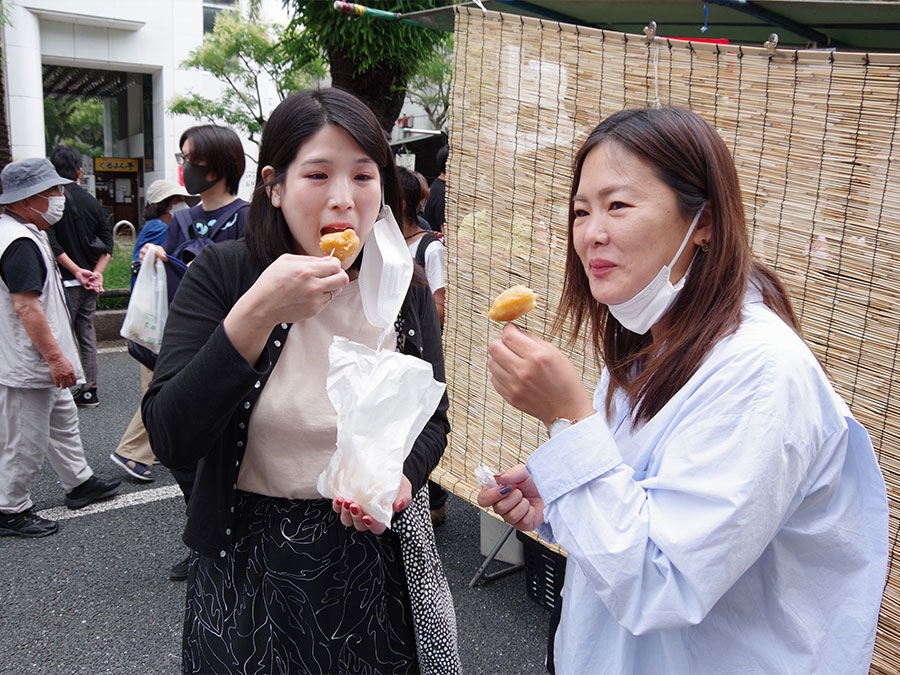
(135, 469)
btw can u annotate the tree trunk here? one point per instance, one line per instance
(383, 89)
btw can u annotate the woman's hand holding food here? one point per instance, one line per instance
(293, 288)
(515, 499)
(536, 377)
(352, 513)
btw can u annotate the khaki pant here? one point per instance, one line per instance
(35, 423)
(135, 444)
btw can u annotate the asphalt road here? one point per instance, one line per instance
(95, 597)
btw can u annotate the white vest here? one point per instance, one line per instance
(21, 364)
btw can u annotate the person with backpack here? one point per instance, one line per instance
(424, 246)
(212, 163)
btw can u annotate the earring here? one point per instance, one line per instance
(704, 246)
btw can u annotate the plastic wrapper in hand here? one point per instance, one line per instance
(383, 400)
(148, 305)
(485, 477)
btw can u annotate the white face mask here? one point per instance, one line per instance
(647, 307)
(180, 206)
(385, 274)
(56, 205)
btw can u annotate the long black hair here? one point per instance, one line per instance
(412, 195)
(295, 120)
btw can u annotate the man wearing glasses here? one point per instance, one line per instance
(38, 355)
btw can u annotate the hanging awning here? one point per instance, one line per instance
(848, 25)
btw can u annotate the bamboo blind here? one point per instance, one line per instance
(815, 136)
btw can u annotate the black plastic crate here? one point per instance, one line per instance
(545, 571)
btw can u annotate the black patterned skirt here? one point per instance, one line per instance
(299, 593)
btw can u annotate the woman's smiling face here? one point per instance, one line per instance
(331, 185)
(627, 225)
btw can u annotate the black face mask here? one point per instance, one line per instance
(195, 180)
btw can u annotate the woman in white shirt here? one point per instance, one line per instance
(425, 247)
(722, 510)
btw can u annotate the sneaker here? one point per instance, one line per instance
(86, 398)
(179, 571)
(90, 491)
(26, 524)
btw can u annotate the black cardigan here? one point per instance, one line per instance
(197, 407)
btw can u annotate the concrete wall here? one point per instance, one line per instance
(142, 36)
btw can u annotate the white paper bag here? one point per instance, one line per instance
(383, 400)
(148, 306)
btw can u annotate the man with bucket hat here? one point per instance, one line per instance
(38, 355)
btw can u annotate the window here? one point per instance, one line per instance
(211, 9)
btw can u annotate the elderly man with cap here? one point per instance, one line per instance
(38, 355)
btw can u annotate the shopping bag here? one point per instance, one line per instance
(383, 400)
(148, 305)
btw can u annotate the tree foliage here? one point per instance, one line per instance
(430, 86)
(251, 60)
(74, 122)
(371, 57)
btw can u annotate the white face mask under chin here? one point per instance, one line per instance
(56, 206)
(650, 304)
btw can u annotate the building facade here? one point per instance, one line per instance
(127, 54)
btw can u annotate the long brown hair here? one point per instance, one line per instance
(689, 156)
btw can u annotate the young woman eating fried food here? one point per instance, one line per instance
(283, 580)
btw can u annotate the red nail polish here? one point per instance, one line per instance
(367, 520)
(354, 510)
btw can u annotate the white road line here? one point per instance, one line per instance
(118, 502)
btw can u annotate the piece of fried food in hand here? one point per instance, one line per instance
(341, 244)
(513, 303)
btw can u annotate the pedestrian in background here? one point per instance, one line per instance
(38, 356)
(164, 198)
(435, 206)
(212, 163)
(82, 242)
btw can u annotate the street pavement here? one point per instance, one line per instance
(95, 597)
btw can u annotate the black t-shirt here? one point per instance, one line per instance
(22, 268)
(434, 206)
(84, 232)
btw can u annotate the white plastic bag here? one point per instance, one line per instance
(148, 305)
(383, 400)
